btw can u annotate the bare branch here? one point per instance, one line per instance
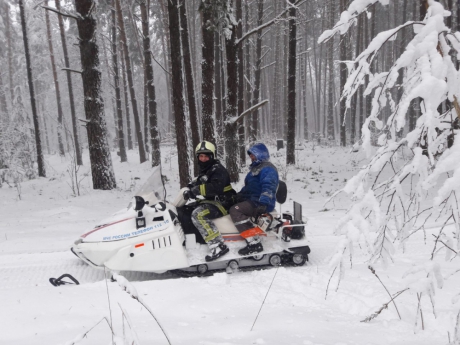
(71, 70)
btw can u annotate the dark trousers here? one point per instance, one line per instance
(185, 218)
(241, 214)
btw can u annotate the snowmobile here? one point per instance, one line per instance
(147, 236)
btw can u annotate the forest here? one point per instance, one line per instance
(122, 75)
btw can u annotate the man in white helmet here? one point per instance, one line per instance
(213, 185)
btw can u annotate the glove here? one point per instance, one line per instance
(239, 198)
(261, 209)
(188, 194)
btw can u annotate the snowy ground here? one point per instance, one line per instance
(286, 305)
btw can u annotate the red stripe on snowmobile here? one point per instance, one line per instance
(252, 232)
(232, 237)
(104, 226)
(139, 245)
(236, 237)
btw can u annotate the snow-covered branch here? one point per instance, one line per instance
(269, 23)
(246, 112)
(61, 13)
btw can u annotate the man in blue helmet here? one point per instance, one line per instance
(257, 197)
(213, 191)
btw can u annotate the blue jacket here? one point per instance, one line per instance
(261, 182)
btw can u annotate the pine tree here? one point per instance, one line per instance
(99, 154)
(38, 143)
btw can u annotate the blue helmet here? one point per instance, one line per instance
(260, 151)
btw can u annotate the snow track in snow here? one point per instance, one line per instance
(25, 270)
(35, 269)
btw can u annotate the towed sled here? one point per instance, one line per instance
(147, 236)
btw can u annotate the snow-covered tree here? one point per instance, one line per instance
(392, 194)
(412, 176)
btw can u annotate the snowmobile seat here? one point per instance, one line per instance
(281, 192)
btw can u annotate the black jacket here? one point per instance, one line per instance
(213, 183)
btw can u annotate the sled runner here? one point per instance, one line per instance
(148, 237)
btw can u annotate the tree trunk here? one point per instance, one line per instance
(177, 92)
(343, 79)
(218, 80)
(116, 77)
(129, 74)
(330, 84)
(70, 87)
(164, 33)
(56, 83)
(303, 85)
(239, 32)
(126, 99)
(38, 143)
(256, 92)
(9, 46)
(291, 108)
(357, 96)
(99, 154)
(4, 118)
(231, 142)
(189, 80)
(109, 92)
(370, 33)
(152, 104)
(207, 70)
(247, 68)
(277, 85)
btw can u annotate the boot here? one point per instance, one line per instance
(253, 247)
(217, 250)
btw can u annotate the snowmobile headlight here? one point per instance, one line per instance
(139, 203)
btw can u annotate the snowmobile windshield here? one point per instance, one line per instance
(153, 189)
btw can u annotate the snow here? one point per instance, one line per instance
(313, 304)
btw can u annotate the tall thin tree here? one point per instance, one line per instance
(38, 143)
(56, 83)
(9, 47)
(116, 82)
(189, 78)
(257, 74)
(76, 136)
(343, 78)
(291, 111)
(177, 92)
(152, 104)
(207, 70)
(239, 33)
(129, 74)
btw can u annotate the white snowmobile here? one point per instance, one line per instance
(148, 237)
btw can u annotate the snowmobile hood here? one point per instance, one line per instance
(123, 225)
(260, 151)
